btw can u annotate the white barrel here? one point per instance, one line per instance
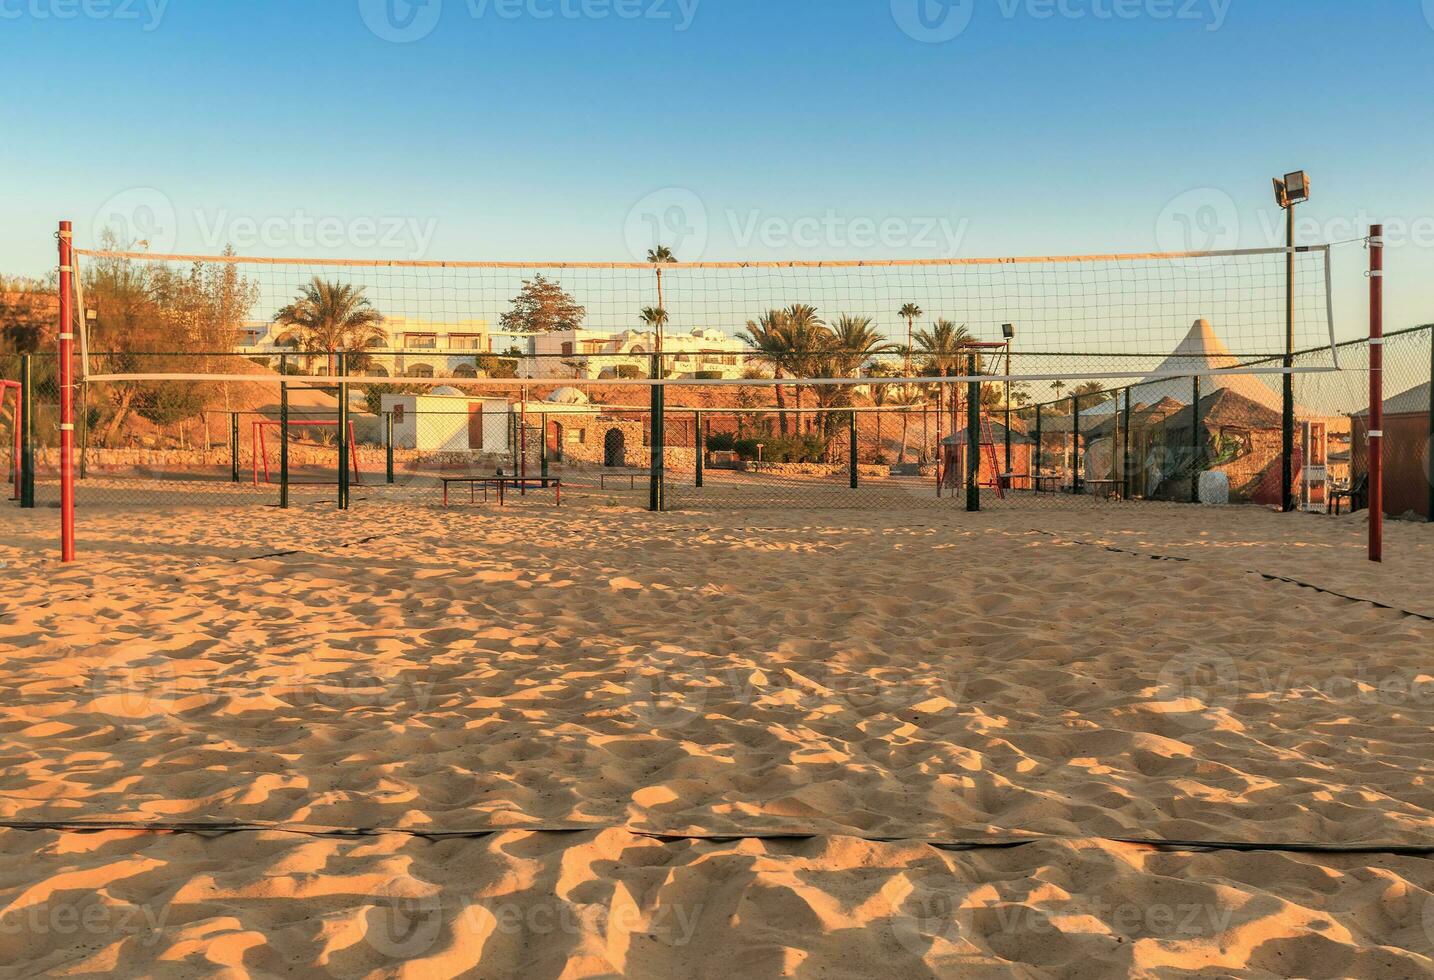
(1214, 488)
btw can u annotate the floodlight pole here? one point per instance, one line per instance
(1287, 449)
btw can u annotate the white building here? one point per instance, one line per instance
(415, 348)
(448, 420)
(589, 354)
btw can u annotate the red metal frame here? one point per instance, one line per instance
(67, 394)
(15, 419)
(1376, 393)
(260, 452)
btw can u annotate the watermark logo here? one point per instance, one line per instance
(933, 21)
(134, 693)
(1201, 220)
(932, 919)
(404, 235)
(404, 922)
(680, 13)
(672, 693)
(832, 231)
(401, 21)
(1195, 683)
(672, 216)
(147, 13)
(140, 217)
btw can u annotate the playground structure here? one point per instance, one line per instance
(259, 445)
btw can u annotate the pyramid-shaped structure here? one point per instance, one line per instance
(1200, 352)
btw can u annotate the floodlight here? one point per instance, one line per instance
(1297, 187)
(1008, 330)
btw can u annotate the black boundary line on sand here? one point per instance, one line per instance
(993, 842)
(1267, 576)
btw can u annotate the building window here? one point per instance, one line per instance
(421, 341)
(465, 341)
(567, 348)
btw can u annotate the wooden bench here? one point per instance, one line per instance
(501, 483)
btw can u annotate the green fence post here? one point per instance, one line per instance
(83, 436)
(973, 440)
(27, 433)
(1125, 488)
(1036, 465)
(234, 447)
(1077, 486)
(1195, 442)
(855, 476)
(543, 449)
(388, 442)
(699, 446)
(343, 365)
(656, 503)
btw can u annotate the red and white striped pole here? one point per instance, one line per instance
(1376, 393)
(67, 394)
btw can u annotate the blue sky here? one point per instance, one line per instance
(550, 129)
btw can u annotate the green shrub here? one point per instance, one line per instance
(721, 442)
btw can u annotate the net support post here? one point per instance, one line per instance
(1195, 440)
(233, 447)
(343, 431)
(27, 432)
(659, 437)
(699, 446)
(67, 394)
(1287, 413)
(1376, 393)
(973, 440)
(855, 473)
(388, 443)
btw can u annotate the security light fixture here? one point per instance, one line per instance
(1293, 189)
(1008, 330)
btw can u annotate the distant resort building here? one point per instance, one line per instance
(470, 349)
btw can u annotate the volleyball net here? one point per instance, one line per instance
(976, 384)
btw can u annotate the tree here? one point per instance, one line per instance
(856, 342)
(655, 318)
(807, 338)
(329, 317)
(660, 255)
(906, 397)
(542, 306)
(910, 313)
(767, 337)
(1089, 394)
(942, 346)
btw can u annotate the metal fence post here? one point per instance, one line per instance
(27, 432)
(1125, 453)
(1195, 453)
(659, 437)
(855, 474)
(699, 445)
(973, 440)
(1036, 468)
(234, 447)
(1077, 486)
(388, 442)
(543, 449)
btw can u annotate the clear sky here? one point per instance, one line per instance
(756, 129)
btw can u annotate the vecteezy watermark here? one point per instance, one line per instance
(141, 217)
(674, 217)
(1204, 219)
(406, 21)
(144, 218)
(147, 13)
(87, 917)
(403, 234)
(940, 21)
(406, 917)
(933, 21)
(832, 231)
(1398, 231)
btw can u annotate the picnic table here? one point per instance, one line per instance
(501, 484)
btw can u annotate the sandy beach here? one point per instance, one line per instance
(588, 741)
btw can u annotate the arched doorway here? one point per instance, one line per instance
(555, 442)
(614, 448)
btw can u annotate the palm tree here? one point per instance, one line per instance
(660, 256)
(942, 346)
(910, 313)
(856, 342)
(655, 318)
(767, 337)
(906, 397)
(806, 337)
(880, 394)
(328, 317)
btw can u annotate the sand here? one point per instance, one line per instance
(714, 744)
